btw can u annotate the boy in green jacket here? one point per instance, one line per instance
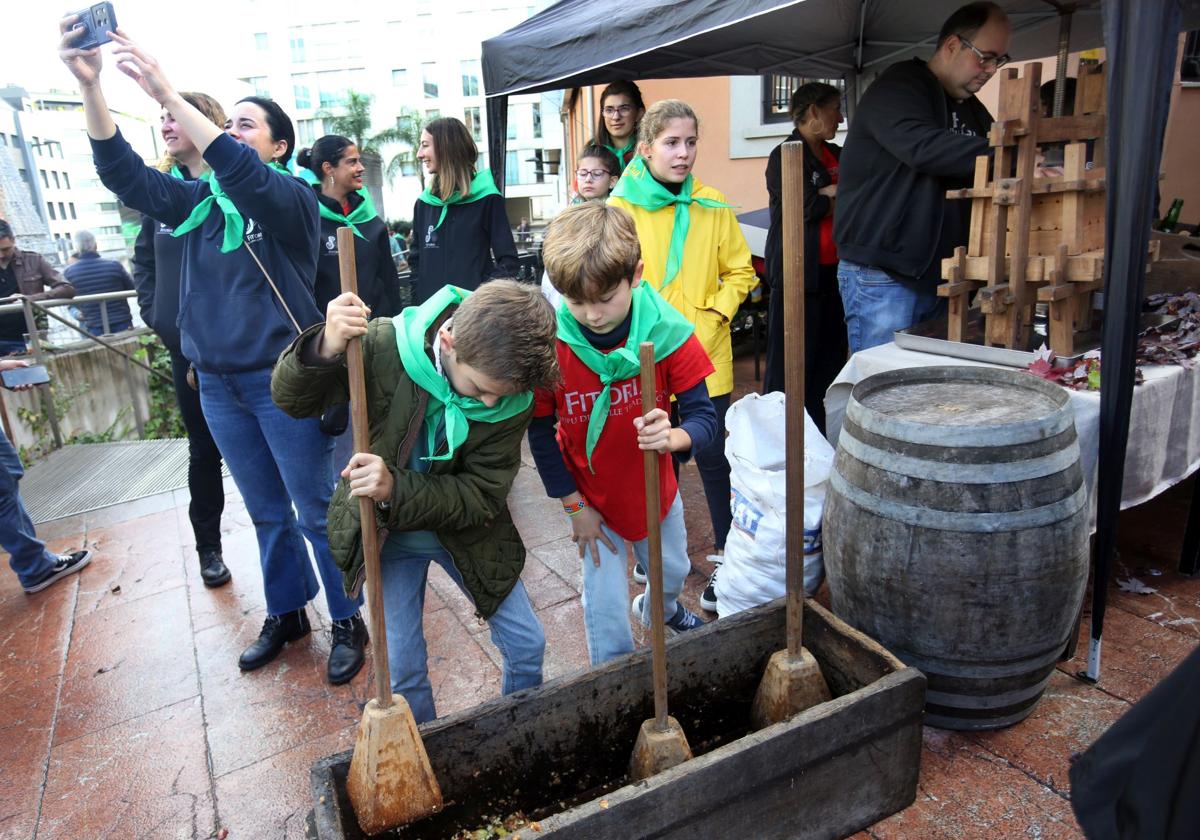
(449, 395)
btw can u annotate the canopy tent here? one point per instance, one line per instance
(570, 44)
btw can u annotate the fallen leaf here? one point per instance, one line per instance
(1135, 586)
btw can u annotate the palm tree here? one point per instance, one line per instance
(406, 134)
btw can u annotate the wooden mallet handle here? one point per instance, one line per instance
(658, 633)
(366, 506)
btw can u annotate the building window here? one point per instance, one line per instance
(37, 144)
(109, 207)
(57, 183)
(72, 208)
(511, 175)
(260, 40)
(537, 120)
(777, 95)
(45, 179)
(260, 86)
(50, 207)
(1189, 70)
(296, 45)
(472, 120)
(432, 114)
(302, 95)
(62, 211)
(429, 77)
(306, 131)
(3, 139)
(332, 88)
(512, 124)
(66, 181)
(399, 78)
(470, 78)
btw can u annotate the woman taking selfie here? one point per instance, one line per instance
(461, 234)
(249, 237)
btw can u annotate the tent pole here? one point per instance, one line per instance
(1135, 33)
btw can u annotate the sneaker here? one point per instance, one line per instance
(64, 564)
(347, 637)
(684, 620)
(708, 598)
(639, 573)
(277, 631)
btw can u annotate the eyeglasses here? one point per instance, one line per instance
(986, 62)
(617, 110)
(591, 174)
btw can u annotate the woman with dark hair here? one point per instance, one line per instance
(816, 111)
(461, 234)
(249, 236)
(621, 112)
(337, 166)
(157, 267)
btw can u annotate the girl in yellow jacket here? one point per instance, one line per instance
(696, 257)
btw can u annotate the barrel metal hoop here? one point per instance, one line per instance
(987, 701)
(974, 436)
(983, 670)
(958, 473)
(979, 523)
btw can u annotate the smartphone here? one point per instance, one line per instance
(96, 21)
(32, 375)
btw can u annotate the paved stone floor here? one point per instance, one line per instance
(123, 713)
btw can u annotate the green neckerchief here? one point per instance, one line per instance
(482, 185)
(412, 325)
(621, 152)
(364, 212)
(653, 320)
(176, 172)
(638, 186)
(234, 224)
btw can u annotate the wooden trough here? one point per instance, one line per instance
(559, 753)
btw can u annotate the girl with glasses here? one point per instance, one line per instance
(621, 111)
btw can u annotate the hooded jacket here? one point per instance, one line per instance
(378, 283)
(714, 279)
(229, 319)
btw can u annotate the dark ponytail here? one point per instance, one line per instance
(278, 122)
(807, 95)
(329, 149)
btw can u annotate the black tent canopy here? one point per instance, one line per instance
(583, 42)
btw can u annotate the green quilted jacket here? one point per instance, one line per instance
(462, 500)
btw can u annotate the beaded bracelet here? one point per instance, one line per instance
(574, 508)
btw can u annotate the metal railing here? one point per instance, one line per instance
(45, 392)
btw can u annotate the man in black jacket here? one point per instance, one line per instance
(916, 134)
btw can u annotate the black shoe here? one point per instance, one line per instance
(65, 564)
(348, 638)
(213, 570)
(277, 630)
(708, 598)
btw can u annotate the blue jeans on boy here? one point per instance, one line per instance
(606, 587)
(278, 461)
(27, 555)
(515, 629)
(877, 305)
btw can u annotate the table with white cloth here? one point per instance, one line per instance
(1164, 424)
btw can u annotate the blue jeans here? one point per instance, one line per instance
(278, 461)
(515, 629)
(27, 555)
(606, 587)
(876, 305)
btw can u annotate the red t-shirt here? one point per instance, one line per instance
(829, 253)
(617, 489)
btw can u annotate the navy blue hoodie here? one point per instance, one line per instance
(378, 283)
(229, 318)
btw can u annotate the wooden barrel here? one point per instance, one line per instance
(956, 533)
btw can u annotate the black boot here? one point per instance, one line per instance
(346, 655)
(277, 630)
(213, 570)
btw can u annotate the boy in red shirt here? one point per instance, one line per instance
(592, 255)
